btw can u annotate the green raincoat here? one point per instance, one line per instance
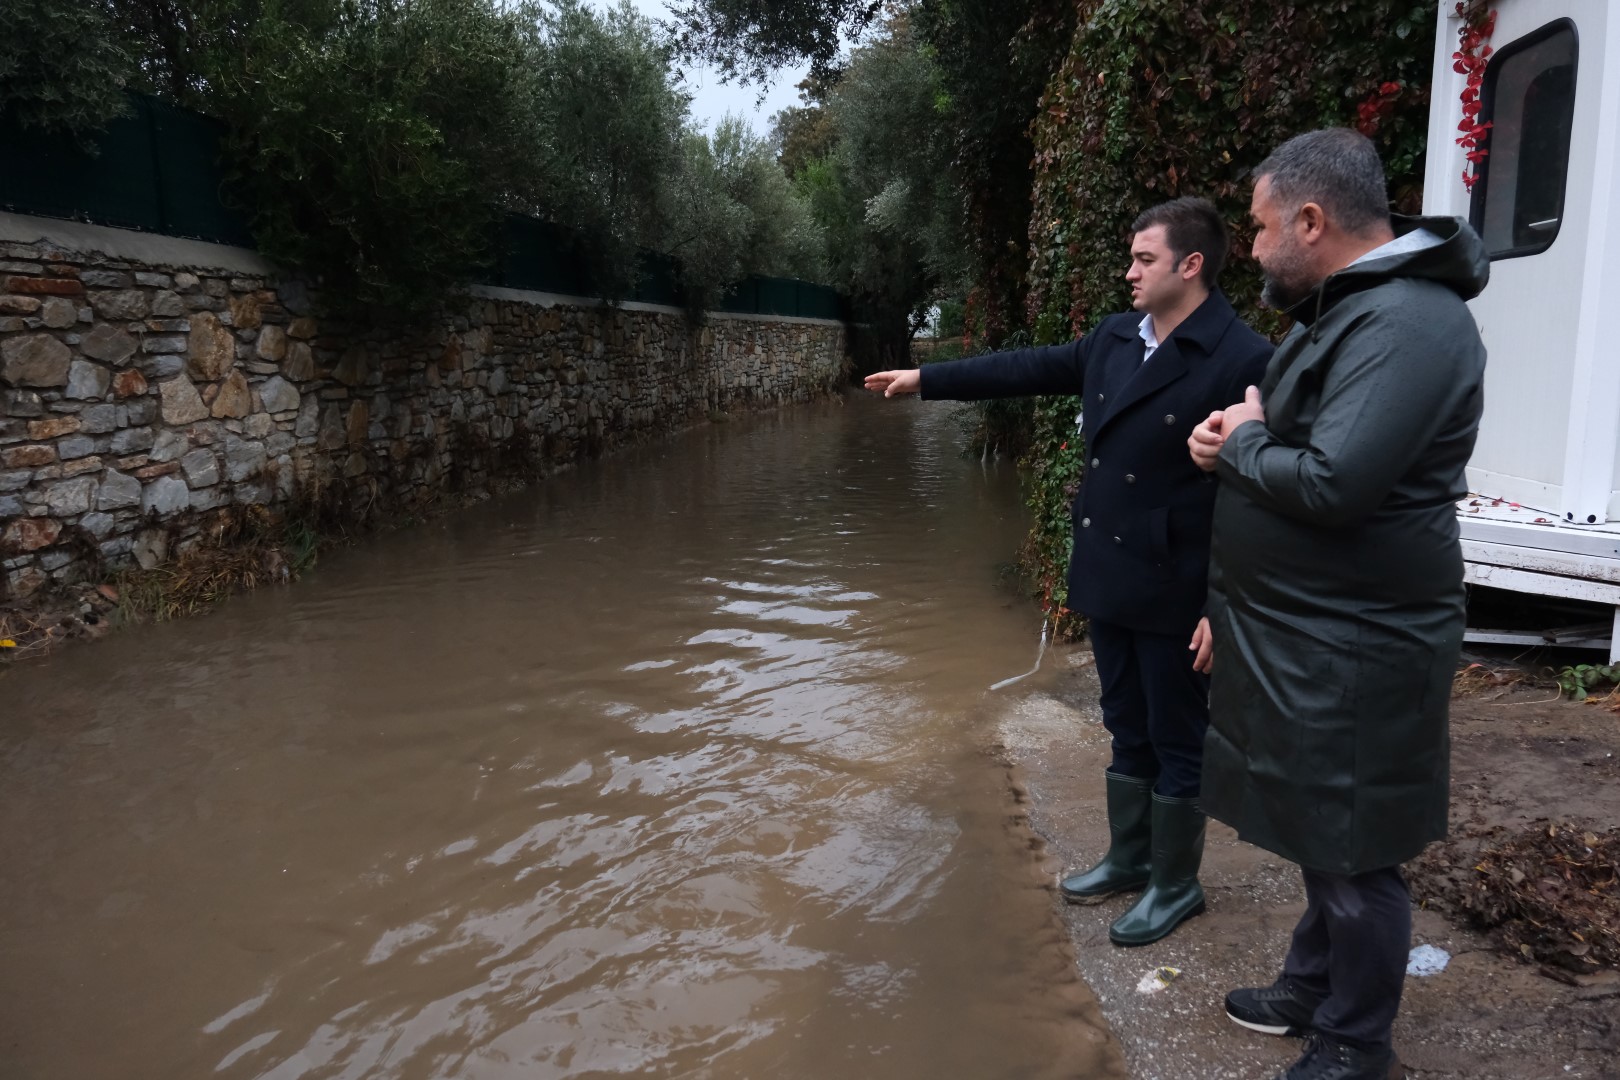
(1336, 589)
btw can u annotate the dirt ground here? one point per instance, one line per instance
(1521, 762)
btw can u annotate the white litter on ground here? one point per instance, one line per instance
(1427, 960)
(1157, 980)
(1045, 625)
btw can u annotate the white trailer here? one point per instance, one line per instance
(1545, 516)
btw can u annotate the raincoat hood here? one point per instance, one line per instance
(1458, 262)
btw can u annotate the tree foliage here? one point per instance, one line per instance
(63, 66)
(1160, 99)
(609, 125)
(804, 133)
(731, 212)
(992, 61)
(377, 147)
(181, 48)
(883, 189)
(749, 39)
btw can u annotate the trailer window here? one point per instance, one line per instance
(1529, 97)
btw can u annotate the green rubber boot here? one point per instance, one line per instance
(1173, 893)
(1130, 853)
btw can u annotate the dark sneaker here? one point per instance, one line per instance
(1325, 1059)
(1277, 1009)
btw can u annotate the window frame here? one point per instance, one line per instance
(1476, 205)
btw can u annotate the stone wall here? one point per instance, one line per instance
(149, 387)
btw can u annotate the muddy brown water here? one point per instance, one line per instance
(671, 766)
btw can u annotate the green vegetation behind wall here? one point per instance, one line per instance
(373, 146)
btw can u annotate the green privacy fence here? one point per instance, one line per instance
(157, 170)
(547, 257)
(784, 296)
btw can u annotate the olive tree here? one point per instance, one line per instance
(375, 151)
(749, 39)
(885, 193)
(609, 124)
(63, 66)
(732, 212)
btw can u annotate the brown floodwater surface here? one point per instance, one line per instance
(670, 766)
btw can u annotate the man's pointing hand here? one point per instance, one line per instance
(890, 383)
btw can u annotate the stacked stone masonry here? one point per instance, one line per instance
(139, 402)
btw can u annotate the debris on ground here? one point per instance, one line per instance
(1427, 960)
(1479, 678)
(1519, 753)
(1157, 979)
(73, 612)
(1549, 893)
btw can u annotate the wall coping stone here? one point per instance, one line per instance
(129, 245)
(546, 299)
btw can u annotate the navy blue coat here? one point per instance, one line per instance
(1143, 512)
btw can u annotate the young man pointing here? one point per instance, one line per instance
(1139, 570)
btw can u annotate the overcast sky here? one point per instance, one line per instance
(712, 99)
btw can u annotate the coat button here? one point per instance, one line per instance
(1117, 540)
(1130, 478)
(1095, 462)
(1085, 523)
(1169, 419)
(1099, 397)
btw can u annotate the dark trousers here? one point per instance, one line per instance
(1154, 705)
(1350, 949)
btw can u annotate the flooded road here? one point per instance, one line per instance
(671, 766)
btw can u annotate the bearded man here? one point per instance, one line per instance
(1336, 583)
